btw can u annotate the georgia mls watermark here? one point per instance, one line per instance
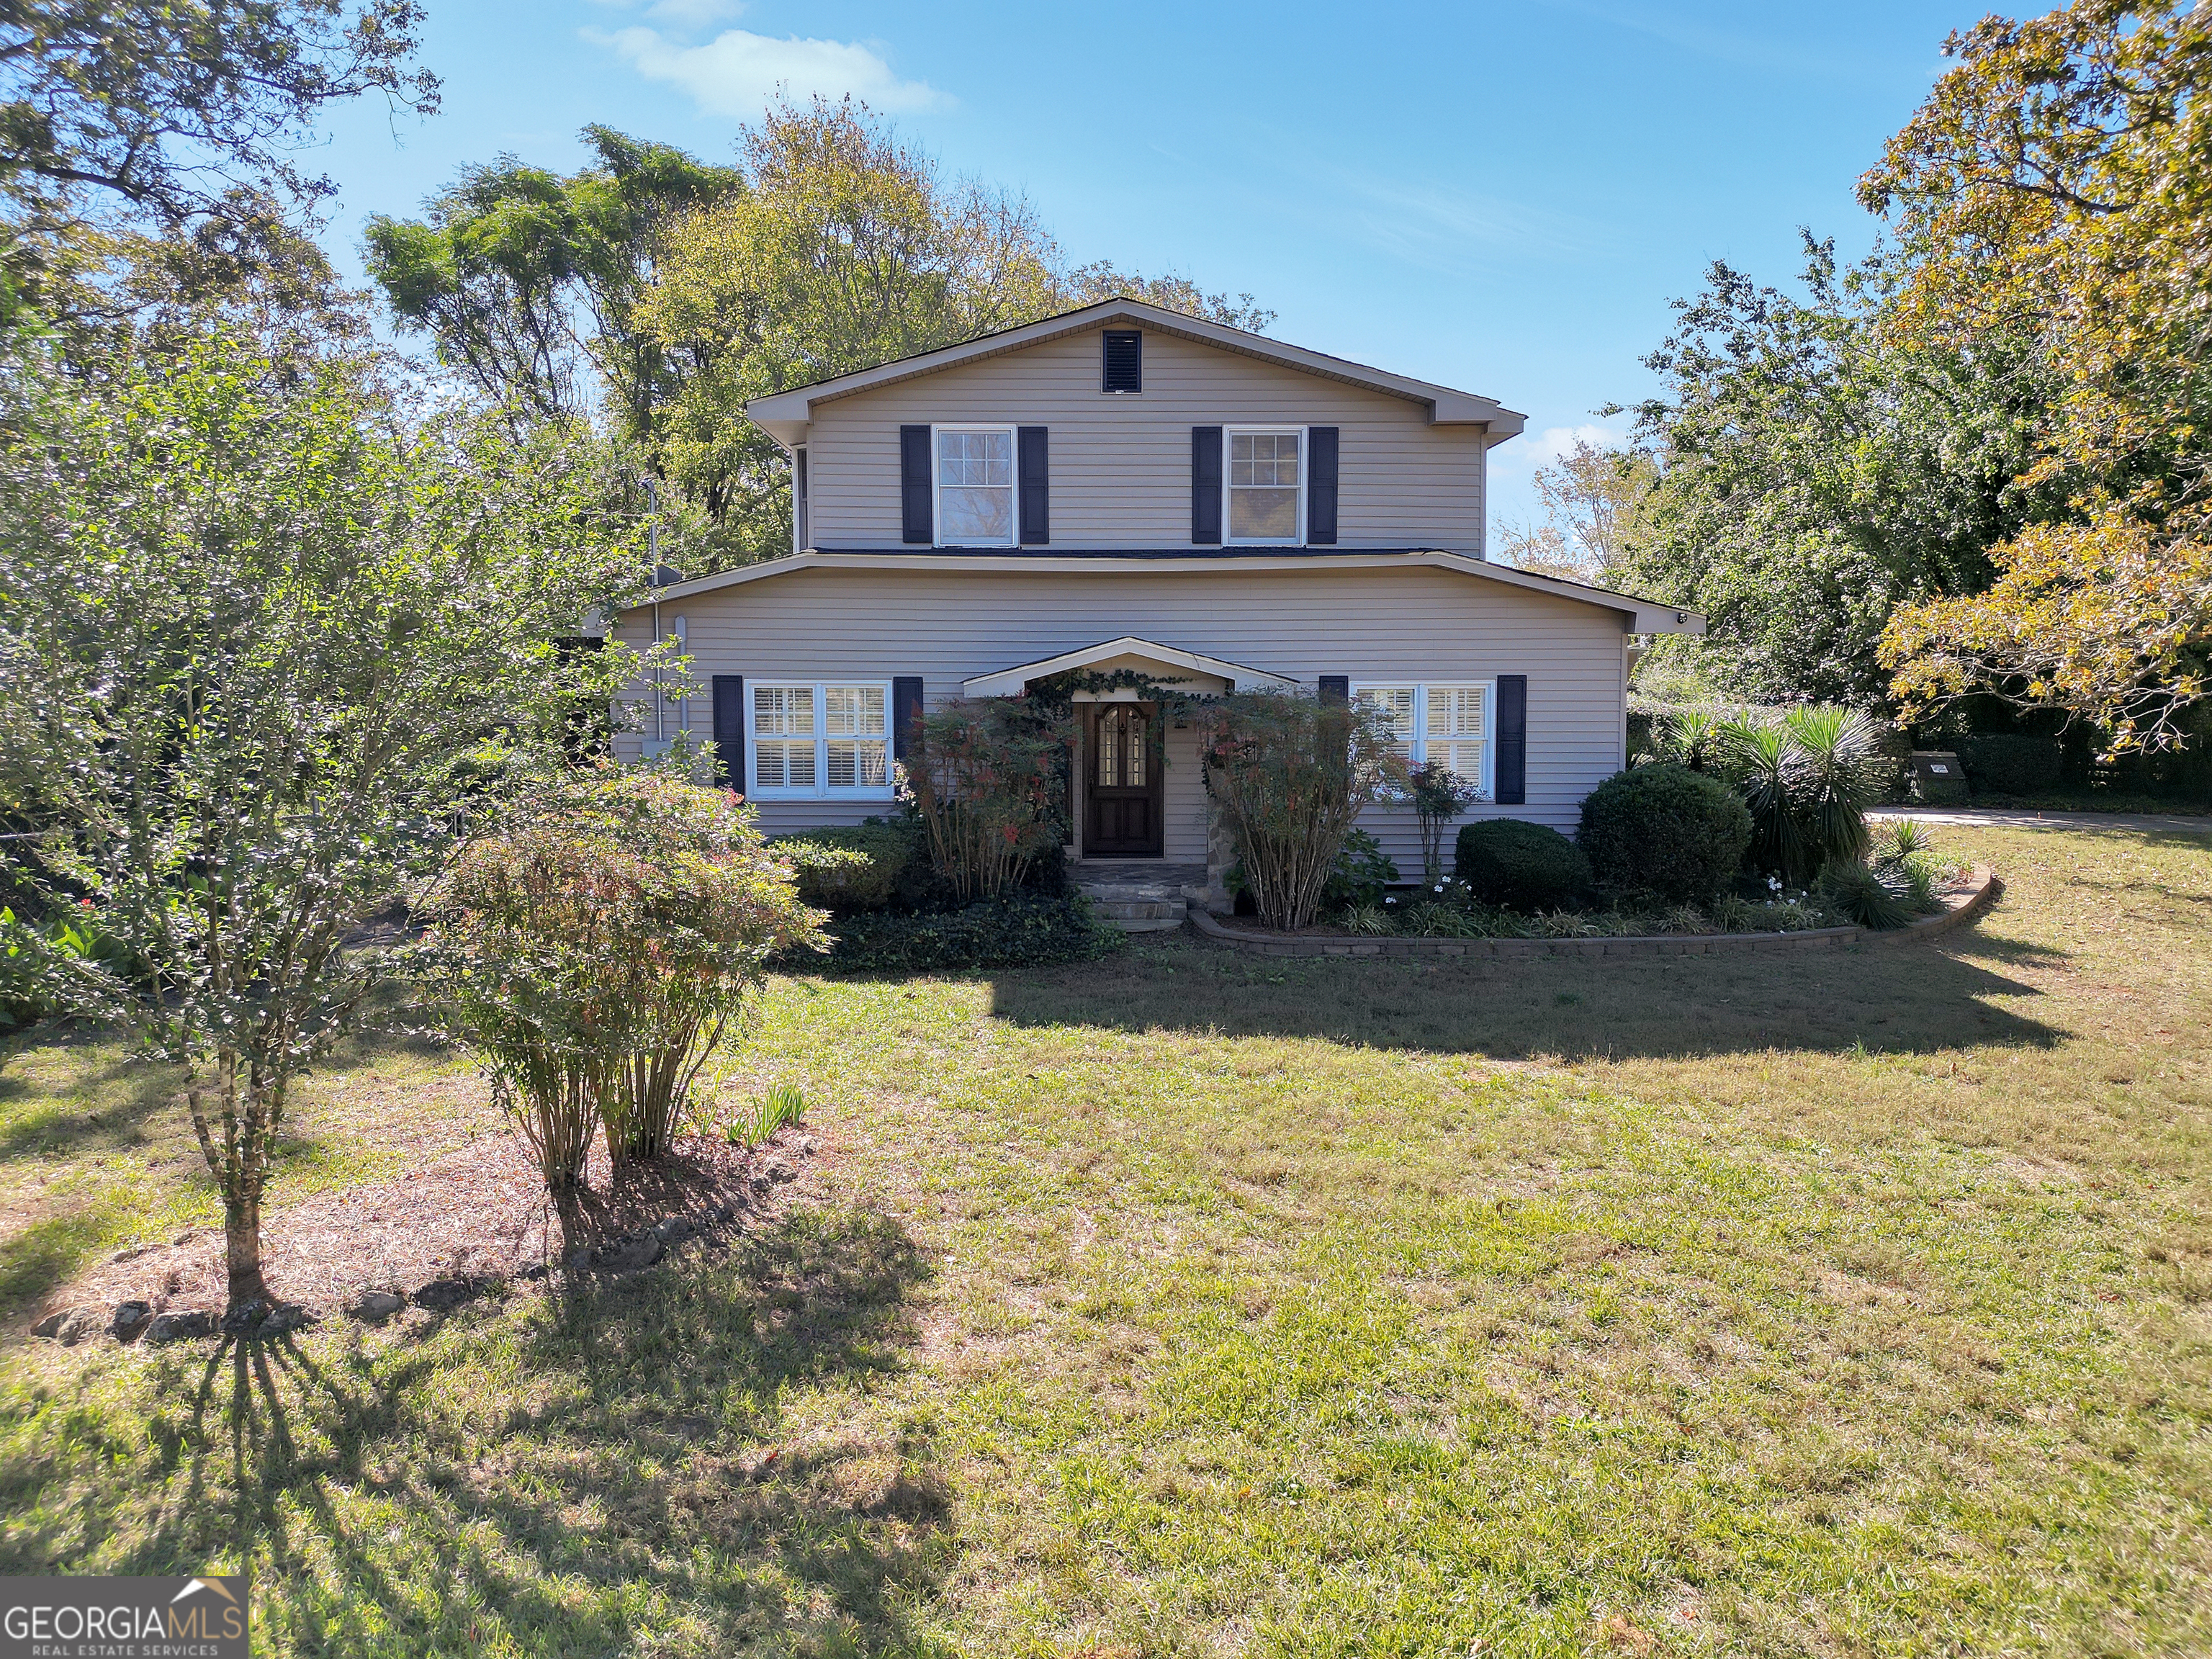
(123, 1618)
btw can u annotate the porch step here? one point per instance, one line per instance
(1141, 898)
(1144, 916)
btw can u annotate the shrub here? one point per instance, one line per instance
(1864, 895)
(1439, 795)
(1664, 831)
(1527, 867)
(1808, 780)
(597, 950)
(1014, 930)
(989, 780)
(2007, 763)
(1291, 775)
(1841, 771)
(1363, 871)
(854, 867)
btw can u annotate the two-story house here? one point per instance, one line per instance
(1126, 487)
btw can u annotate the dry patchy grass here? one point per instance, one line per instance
(1193, 1304)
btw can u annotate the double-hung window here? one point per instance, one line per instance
(975, 486)
(827, 738)
(1449, 723)
(1266, 484)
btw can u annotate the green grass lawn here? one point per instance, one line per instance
(1190, 1303)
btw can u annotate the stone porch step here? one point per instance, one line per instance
(1141, 898)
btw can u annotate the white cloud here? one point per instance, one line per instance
(1534, 450)
(737, 72)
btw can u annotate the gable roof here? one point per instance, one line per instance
(1012, 682)
(1638, 615)
(784, 414)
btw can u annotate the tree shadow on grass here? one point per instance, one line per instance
(623, 1465)
(1903, 997)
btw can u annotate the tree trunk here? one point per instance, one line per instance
(241, 1241)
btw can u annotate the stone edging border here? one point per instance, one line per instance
(1984, 889)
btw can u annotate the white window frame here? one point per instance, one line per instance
(819, 690)
(1013, 487)
(1228, 435)
(1419, 746)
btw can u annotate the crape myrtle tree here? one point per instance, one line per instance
(269, 648)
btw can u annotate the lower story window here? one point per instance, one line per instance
(823, 738)
(1449, 723)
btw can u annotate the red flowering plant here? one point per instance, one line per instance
(989, 778)
(1291, 775)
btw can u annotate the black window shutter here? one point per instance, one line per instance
(1124, 365)
(1321, 486)
(730, 731)
(915, 517)
(1036, 486)
(906, 705)
(1206, 484)
(1336, 688)
(1512, 778)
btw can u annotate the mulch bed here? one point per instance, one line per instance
(475, 1214)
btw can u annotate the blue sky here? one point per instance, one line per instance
(1498, 198)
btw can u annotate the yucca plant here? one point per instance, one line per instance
(1694, 737)
(1839, 774)
(1864, 895)
(1761, 762)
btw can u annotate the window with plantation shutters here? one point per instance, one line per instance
(856, 736)
(1455, 729)
(822, 738)
(783, 736)
(1394, 706)
(1444, 721)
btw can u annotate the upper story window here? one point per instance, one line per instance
(1266, 498)
(975, 486)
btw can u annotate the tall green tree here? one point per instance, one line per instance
(1815, 475)
(167, 132)
(267, 648)
(528, 281)
(847, 248)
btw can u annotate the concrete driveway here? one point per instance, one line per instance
(2026, 817)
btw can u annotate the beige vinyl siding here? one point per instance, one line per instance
(1392, 624)
(1121, 465)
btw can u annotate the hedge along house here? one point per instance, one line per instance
(1122, 498)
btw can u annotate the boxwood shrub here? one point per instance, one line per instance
(1666, 831)
(849, 867)
(1016, 929)
(1522, 865)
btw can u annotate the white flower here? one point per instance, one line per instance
(1440, 887)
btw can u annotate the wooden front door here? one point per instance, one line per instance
(1122, 774)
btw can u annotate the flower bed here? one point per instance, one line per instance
(1962, 905)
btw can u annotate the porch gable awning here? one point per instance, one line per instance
(1012, 682)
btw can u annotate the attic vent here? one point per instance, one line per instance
(1125, 359)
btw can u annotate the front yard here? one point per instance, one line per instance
(1189, 1303)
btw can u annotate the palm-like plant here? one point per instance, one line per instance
(1694, 738)
(1838, 776)
(1762, 763)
